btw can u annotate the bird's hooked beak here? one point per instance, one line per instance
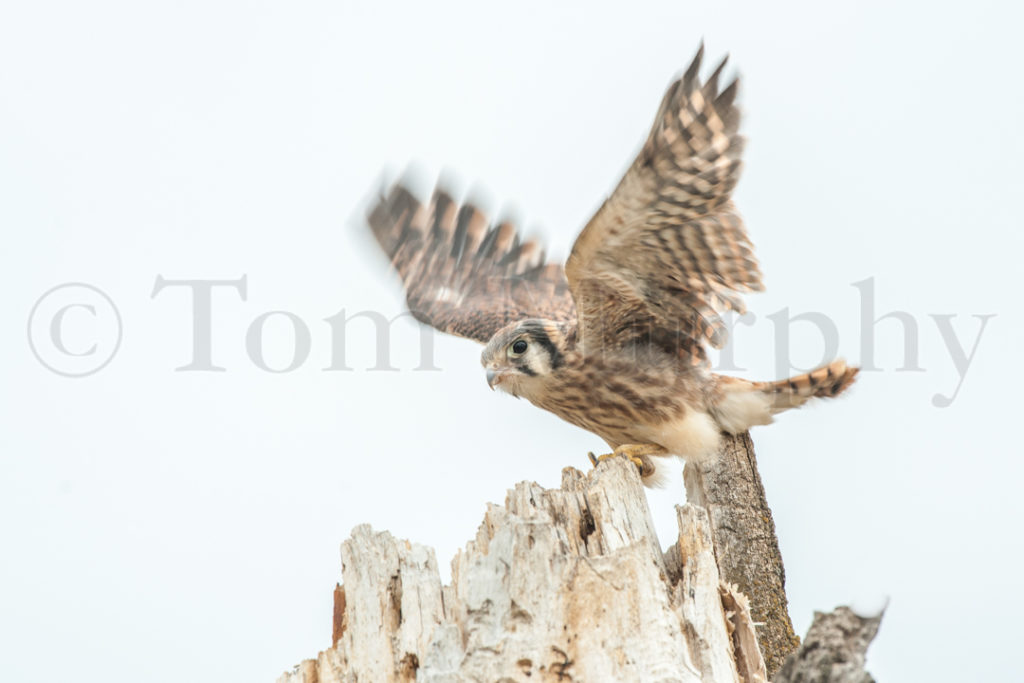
(494, 378)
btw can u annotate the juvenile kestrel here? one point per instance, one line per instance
(614, 342)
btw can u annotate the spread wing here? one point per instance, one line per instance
(461, 275)
(667, 251)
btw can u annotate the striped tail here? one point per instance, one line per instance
(739, 404)
(827, 381)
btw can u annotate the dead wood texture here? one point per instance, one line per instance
(746, 547)
(571, 584)
(558, 585)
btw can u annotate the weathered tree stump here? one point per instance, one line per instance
(558, 585)
(572, 585)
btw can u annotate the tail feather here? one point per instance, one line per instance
(827, 381)
(740, 404)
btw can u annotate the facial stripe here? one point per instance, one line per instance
(541, 337)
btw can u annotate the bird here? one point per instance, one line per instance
(615, 339)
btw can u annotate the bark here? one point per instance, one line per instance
(558, 585)
(834, 649)
(746, 547)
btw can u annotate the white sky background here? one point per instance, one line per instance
(167, 526)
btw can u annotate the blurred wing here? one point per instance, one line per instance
(462, 276)
(667, 251)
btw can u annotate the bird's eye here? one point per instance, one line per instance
(518, 348)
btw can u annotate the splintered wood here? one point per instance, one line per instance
(558, 585)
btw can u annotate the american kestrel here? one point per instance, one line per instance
(614, 341)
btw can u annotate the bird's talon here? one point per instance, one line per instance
(635, 459)
(636, 453)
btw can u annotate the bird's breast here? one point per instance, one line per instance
(618, 401)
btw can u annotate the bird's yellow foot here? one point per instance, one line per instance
(637, 454)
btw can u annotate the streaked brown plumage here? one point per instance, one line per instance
(615, 341)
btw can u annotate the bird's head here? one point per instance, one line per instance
(520, 357)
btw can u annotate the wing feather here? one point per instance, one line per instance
(461, 275)
(667, 251)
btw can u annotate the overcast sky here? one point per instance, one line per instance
(164, 525)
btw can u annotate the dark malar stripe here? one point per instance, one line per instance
(541, 337)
